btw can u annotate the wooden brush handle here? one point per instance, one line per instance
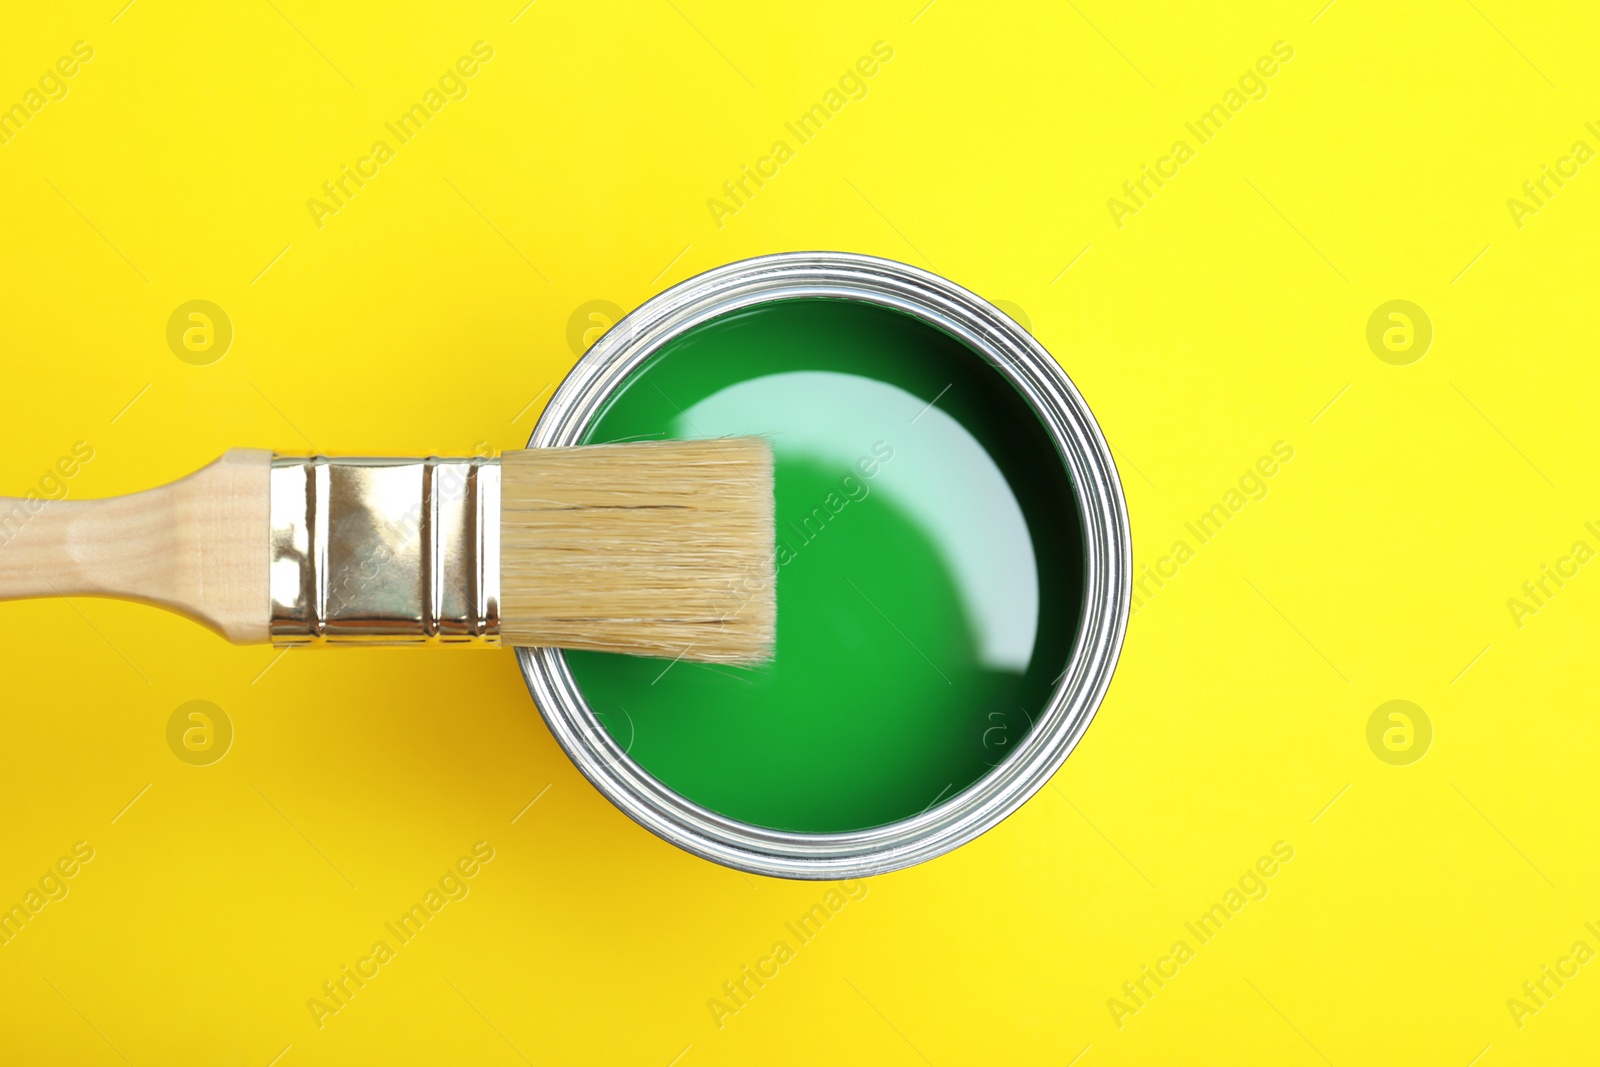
(198, 546)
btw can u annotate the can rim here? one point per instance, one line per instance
(1108, 570)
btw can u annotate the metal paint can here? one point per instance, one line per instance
(1012, 353)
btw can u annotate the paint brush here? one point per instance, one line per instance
(658, 548)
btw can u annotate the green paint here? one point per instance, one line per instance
(929, 570)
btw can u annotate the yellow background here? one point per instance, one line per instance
(431, 313)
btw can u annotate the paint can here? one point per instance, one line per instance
(1070, 452)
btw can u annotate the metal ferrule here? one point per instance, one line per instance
(385, 551)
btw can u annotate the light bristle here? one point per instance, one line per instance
(653, 548)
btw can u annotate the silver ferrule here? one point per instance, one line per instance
(385, 551)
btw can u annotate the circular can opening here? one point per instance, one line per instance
(952, 561)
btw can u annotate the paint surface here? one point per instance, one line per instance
(929, 562)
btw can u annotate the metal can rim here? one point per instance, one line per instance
(1108, 569)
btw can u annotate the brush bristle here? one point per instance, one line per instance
(655, 548)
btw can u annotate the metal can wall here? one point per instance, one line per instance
(1080, 449)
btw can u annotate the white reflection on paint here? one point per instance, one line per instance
(941, 476)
